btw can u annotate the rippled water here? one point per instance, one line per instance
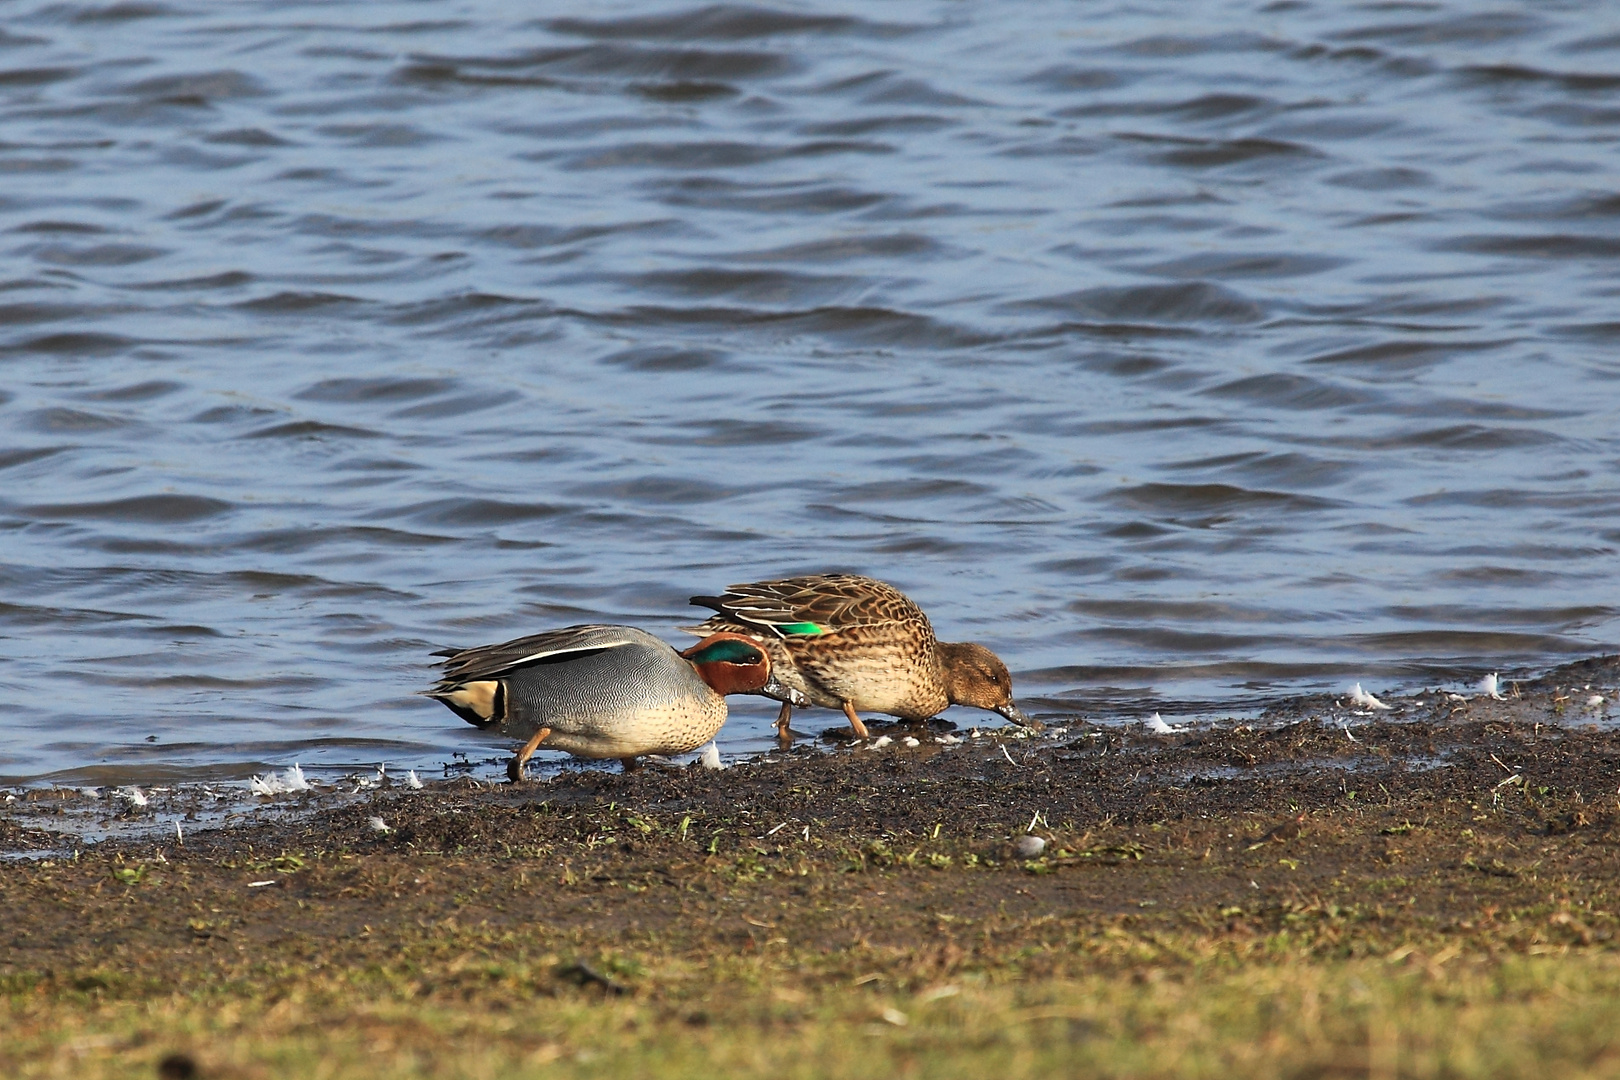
(1185, 354)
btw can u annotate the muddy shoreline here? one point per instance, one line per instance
(1305, 755)
(1441, 826)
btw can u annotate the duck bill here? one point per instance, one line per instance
(1016, 715)
(775, 688)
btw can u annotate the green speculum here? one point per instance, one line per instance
(802, 629)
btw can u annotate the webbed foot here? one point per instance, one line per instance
(514, 768)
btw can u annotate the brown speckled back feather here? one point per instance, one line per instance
(832, 601)
(877, 649)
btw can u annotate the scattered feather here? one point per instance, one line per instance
(947, 740)
(1455, 697)
(1595, 701)
(132, 795)
(262, 884)
(179, 836)
(894, 1016)
(909, 741)
(1155, 725)
(1490, 687)
(709, 756)
(880, 742)
(1363, 700)
(270, 784)
(1008, 756)
(412, 782)
(1346, 726)
(378, 825)
(365, 783)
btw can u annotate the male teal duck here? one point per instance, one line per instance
(600, 691)
(849, 642)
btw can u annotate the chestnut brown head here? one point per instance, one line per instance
(732, 664)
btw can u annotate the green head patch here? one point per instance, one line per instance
(728, 651)
(802, 629)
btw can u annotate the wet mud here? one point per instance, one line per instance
(1436, 818)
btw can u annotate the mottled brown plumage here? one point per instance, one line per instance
(855, 643)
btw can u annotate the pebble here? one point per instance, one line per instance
(1029, 847)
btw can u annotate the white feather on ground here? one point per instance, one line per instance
(412, 782)
(1156, 726)
(1363, 700)
(709, 757)
(271, 784)
(377, 824)
(1490, 686)
(132, 795)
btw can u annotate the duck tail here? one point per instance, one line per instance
(482, 704)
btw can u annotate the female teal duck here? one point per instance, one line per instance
(603, 691)
(849, 642)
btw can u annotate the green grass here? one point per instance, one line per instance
(1125, 1008)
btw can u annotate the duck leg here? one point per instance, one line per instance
(782, 718)
(855, 721)
(630, 763)
(514, 768)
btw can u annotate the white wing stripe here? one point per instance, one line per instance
(565, 651)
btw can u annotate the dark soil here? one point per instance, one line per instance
(1434, 819)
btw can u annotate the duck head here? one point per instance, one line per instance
(976, 676)
(734, 664)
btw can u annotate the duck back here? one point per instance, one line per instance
(636, 698)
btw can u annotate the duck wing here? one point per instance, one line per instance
(552, 646)
(813, 605)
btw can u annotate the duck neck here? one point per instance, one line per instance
(952, 667)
